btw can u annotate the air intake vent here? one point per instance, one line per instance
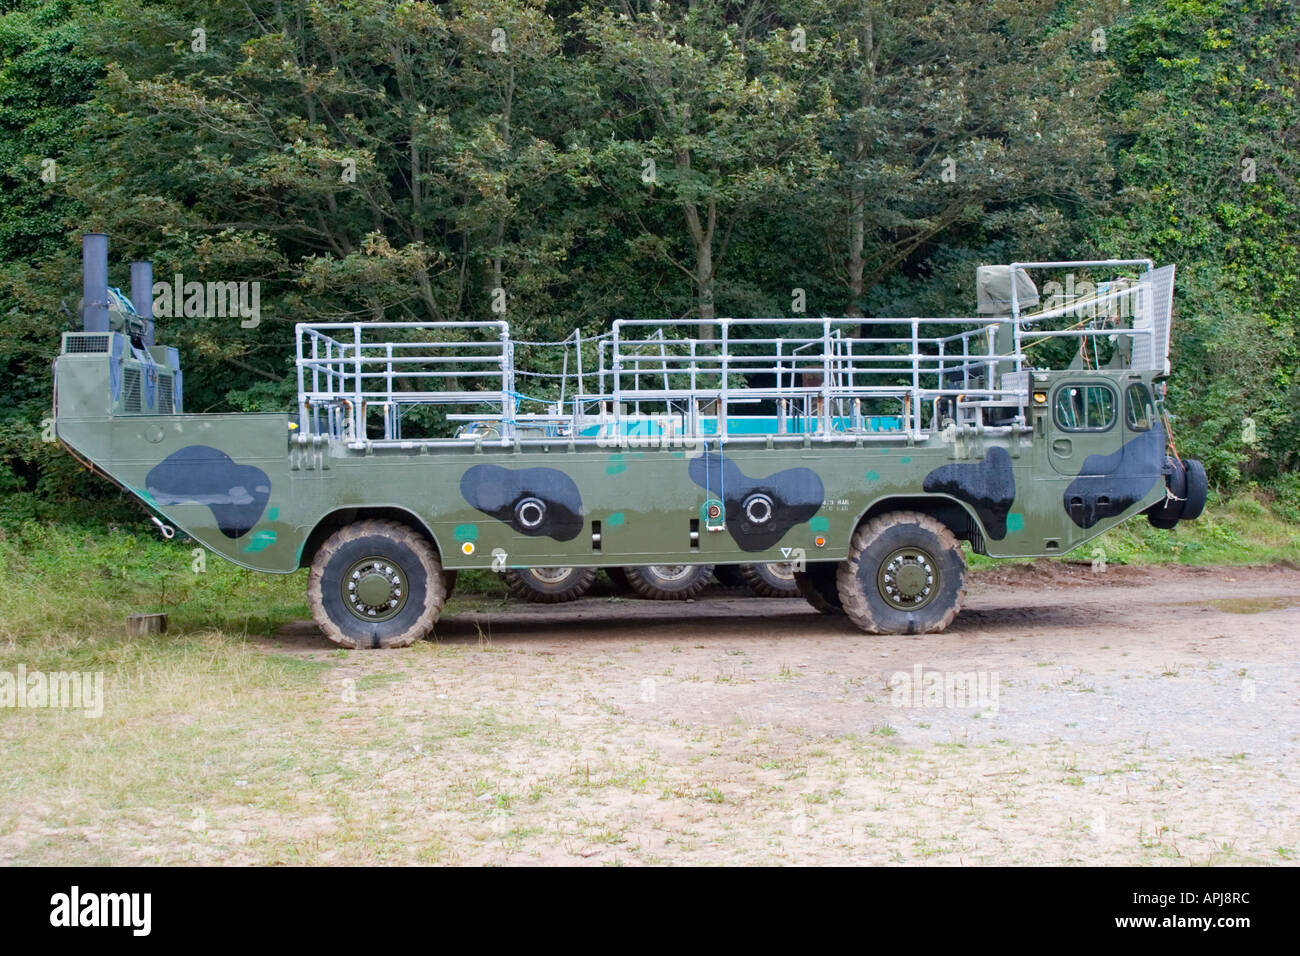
(85, 343)
(165, 405)
(131, 390)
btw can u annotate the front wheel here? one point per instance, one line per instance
(376, 584)
(904, 575)
(669, 582)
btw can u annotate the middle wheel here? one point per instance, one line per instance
(669, 582)
(550, 585)
(771, 579)
(817, 584)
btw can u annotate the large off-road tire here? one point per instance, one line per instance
(669, 582)
(550, 585)
(1198, 489)
(376, 584)
(818, 586)
(904, 575)
(1165, 514)
(771, 579)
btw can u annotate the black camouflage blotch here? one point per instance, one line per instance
(236, 494)
(1122, 479)
(989, 486)
(496, 491)
(796, 494)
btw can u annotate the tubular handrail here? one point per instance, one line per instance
(828, 376)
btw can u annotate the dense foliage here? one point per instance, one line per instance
(409, 160)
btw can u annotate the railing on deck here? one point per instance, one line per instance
(835, 378)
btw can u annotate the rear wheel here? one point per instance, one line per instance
(550, 585)
(904, 575)
(771, 579)
(669, 582)
(817, 586)
(376, 584)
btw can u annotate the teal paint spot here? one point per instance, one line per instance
(1015, 522)
(273, 514)
(618, 517)
(260, 541)
(616, 465)
(465, 532)
(904, 460)
(679, 454)
(873, 476)
(820, 523)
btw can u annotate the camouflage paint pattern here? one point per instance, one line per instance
(252, 489)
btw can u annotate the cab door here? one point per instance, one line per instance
(1084, 427)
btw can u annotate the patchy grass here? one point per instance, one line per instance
(1247, 529)
(222, 744)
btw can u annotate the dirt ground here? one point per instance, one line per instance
(1144, 714)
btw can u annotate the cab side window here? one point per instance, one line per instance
(1141, 412)
(1089, 408)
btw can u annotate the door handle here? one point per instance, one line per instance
(1062, 447)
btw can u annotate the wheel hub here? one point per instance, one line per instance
(672, 572)
(551, 575)
(374, 589)
(908, 579)
(783, 570)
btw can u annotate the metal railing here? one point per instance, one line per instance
(775, 378)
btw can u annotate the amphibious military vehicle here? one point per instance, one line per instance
(859, 453)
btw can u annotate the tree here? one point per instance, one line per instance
(704, 117)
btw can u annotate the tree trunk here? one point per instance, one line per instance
(702, 237)
(857, 195)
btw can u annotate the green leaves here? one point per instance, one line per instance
(405, 160)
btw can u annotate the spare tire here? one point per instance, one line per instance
(1165, 514)
(1196, 491)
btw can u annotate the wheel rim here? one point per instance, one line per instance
(671, 572)
(908, 579)
(374, 589)
(551, 575)
(781, 570)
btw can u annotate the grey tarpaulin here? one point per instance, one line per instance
(993, 290)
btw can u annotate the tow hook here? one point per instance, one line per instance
(166, 530)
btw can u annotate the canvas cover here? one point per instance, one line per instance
(993, 290)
